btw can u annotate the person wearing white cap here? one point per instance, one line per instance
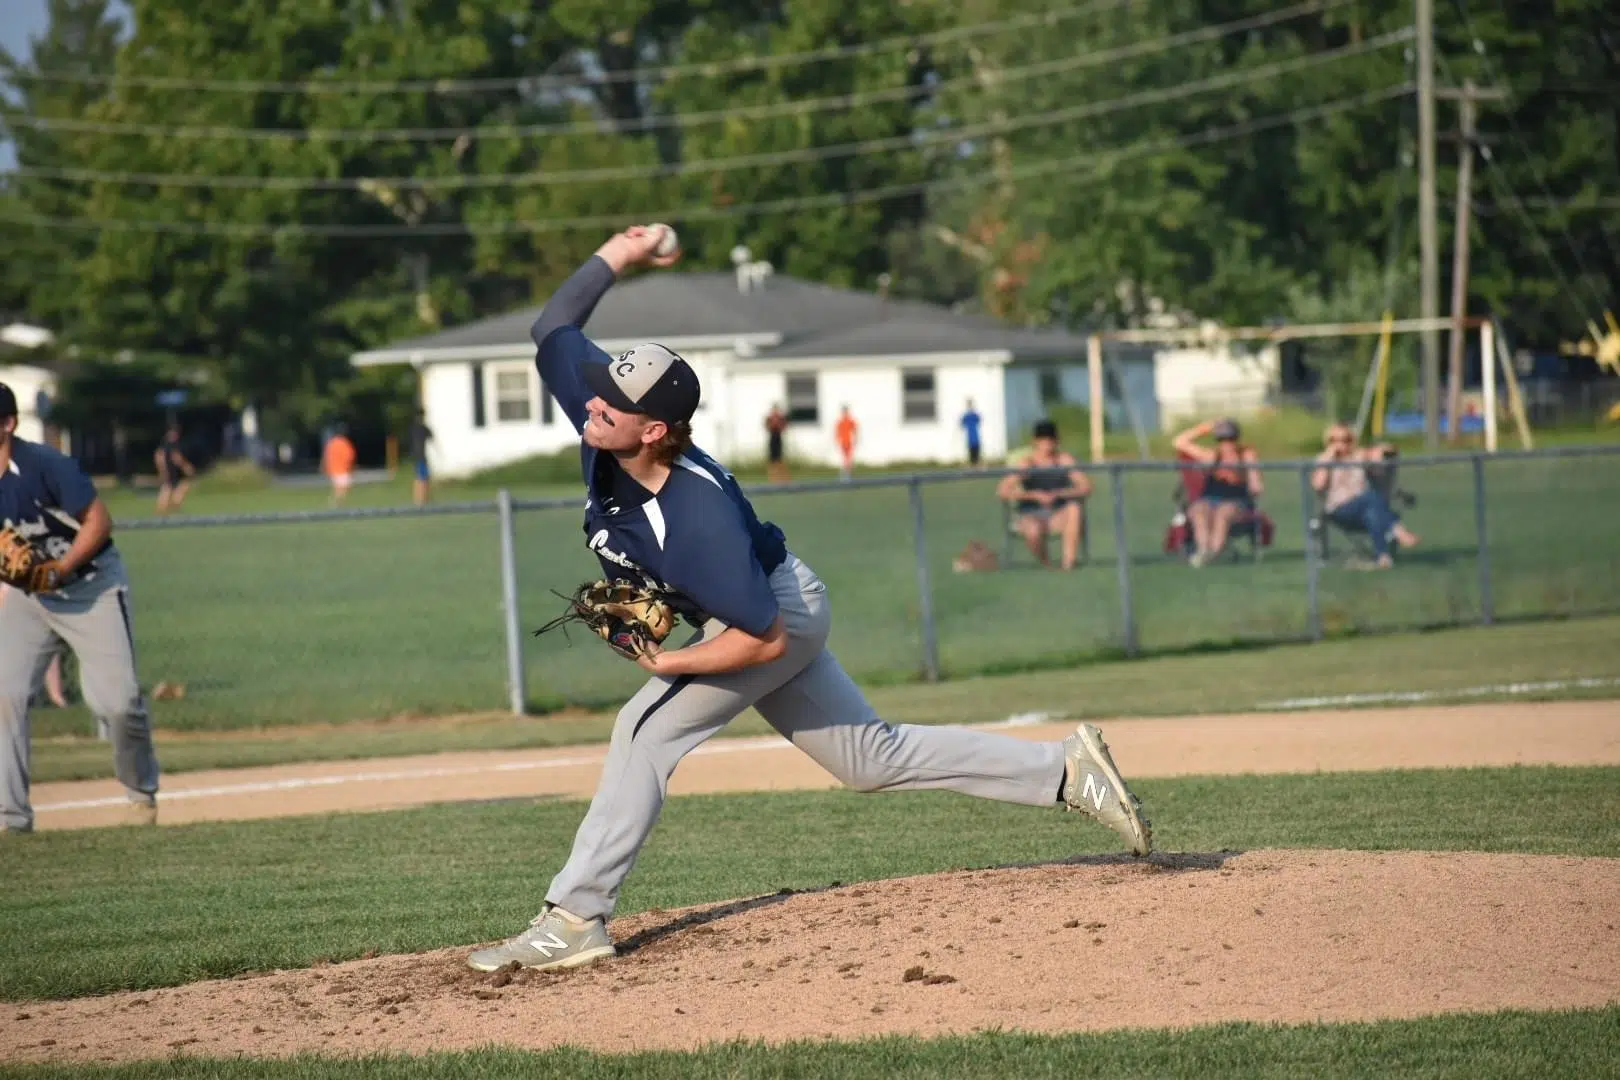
(662, 513)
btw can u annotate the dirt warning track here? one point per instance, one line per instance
(1456, 736)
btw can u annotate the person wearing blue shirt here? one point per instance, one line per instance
(970, 425)
(663, 513)
(83, 601)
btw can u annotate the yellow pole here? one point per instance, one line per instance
(1521, 419)
(1380, 395)
(1094, 362)
(1487, 373)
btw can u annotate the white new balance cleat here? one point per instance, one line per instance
(1092, 785)
(550, 942)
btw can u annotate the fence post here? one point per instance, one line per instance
(1487, 607)
(925, 590)
(1313, 565)
(509, 604)
(1122, 560)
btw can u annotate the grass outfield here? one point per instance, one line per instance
(1492, 1046)
(345, 620)
(108, 909)
(1227, 681)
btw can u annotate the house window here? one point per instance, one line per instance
(548, 404)
(478, 418)
(917, 398)
(802, 398)
(512, 396)
(1051, 383)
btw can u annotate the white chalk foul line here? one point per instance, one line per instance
(299, 783)
(1407, 697)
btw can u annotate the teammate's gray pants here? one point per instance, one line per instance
(808, 698)
(93, 619)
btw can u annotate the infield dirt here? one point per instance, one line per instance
(1089, 944)
(1439, 737)
(1096, 943)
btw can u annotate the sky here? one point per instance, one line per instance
(20, 22)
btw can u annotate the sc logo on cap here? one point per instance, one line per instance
(625, 367)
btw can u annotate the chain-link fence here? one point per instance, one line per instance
(360, 615)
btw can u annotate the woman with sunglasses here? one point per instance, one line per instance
(1351, 501)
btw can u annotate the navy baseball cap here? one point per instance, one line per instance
(650, 379)
(1226, 429)
(8, 402)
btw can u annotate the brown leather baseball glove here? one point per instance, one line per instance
(23, 567)
(633, 620)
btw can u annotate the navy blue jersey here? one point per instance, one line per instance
(697, 537)
(43, 496)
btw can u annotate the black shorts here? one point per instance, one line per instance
(973, 453)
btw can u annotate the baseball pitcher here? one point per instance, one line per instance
(674, 534)
(63, 581)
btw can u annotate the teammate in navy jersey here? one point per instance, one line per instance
(663, 512)
(48, 499)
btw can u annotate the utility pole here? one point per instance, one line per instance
(1467, 99)
(1428, 226)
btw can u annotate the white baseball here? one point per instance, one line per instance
(668, 242)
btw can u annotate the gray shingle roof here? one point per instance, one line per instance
(812, 320)
(935, 331)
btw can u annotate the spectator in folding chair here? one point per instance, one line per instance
(1350, 498)
(1047, 495)
(1225, 504)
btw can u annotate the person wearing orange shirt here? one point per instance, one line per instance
(338, 464)
(845, 434)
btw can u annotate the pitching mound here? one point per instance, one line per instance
(1089, 944)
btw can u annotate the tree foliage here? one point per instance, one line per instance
(1100, 163)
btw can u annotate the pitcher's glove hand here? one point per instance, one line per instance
(633, 620)
(23, 567)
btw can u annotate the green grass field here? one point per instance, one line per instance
(96, 910)
(1222, 681)
(344, 620)
(1497, 1046)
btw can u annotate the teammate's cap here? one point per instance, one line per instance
(1045, 429)
(1226, 429)
(650, 379)
(8, 402)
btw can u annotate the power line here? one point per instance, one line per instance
(96, 127)
(1094, 163)
(1524, 146)
(1573, 205)
(837, 102)
(707, 69)
(908, 141)
(1510, 198)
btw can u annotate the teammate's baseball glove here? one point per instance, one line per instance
(630, 618)
(23, 567)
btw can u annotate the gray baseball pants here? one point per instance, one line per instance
(93, 619)
(809, 699)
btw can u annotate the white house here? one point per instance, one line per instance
(907, 371)
(34, 387)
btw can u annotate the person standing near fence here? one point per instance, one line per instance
(661, 513)
(82, 599)
(845, 434)
(776, 423)
(337, 461)
(421, 435)
(174, 471)
(971, 422)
